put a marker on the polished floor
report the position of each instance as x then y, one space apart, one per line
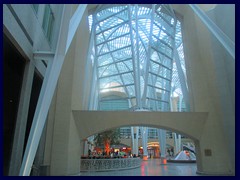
152 167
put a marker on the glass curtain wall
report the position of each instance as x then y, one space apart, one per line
137 57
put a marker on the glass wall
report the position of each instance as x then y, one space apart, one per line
137 51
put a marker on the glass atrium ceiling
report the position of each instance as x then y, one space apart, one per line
132 51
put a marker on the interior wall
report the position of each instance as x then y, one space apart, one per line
203 82
81 88
224 17
64 153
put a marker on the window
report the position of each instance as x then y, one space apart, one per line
48 21
134 53
152 133
125 133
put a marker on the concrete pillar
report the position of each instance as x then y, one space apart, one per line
162 142
20 129
85 148
132 140
144 142
135 140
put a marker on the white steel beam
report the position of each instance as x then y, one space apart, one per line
227 43
96 89
182 79
148 57
43 55
87 68
135 60
74 23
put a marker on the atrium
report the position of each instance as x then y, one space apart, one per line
162 75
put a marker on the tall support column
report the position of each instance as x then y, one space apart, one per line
136 144
179 142
22 115
179 135
85 147
136 70
135 60
134 131
162 142
87 68
144 142
148 58
227 43
135 140
46 94
176 143
182 79
94 98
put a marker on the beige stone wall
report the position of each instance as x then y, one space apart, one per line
63 144
205 94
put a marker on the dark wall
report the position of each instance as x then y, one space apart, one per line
13 69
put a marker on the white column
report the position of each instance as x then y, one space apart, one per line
162 141
135 56
136 144
176 143
182 79
85 148
179 141
133 142
227 43
134 134
135 130
147 66
144 142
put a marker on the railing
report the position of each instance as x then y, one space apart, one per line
109 164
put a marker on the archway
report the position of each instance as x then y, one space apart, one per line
190 124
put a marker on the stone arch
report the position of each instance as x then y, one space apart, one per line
146 125
190 124
92 122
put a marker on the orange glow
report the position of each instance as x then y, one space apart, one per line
145 158
142 170
164 161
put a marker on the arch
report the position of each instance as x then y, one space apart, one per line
190 124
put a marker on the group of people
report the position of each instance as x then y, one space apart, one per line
110 154
170 152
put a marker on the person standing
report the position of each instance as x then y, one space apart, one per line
172 152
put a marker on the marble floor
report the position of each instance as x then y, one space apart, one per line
152 167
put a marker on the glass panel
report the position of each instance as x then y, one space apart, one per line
128 54
48 21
